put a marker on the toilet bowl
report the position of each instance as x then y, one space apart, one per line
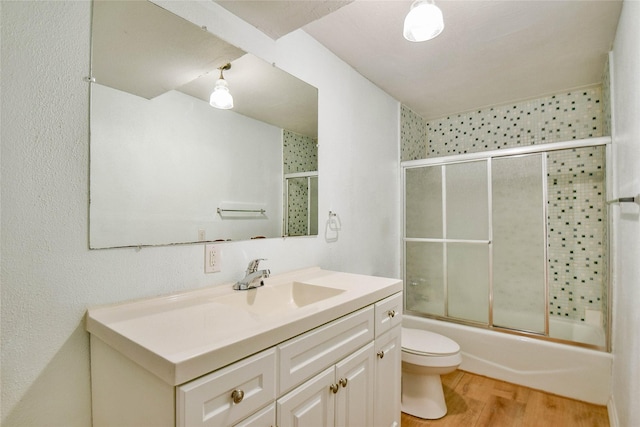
425 356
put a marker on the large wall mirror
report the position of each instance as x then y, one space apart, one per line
168 168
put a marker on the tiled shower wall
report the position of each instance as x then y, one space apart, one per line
300 154
563 117
576 227
576 215
413 135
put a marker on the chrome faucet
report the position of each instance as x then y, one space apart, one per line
253 277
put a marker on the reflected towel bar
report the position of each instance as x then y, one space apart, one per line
262 211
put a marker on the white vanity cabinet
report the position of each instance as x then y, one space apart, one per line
333 363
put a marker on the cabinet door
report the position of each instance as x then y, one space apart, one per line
310 405
266 417
355 378
387 379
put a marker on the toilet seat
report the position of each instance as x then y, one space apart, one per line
425 343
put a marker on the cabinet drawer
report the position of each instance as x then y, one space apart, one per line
304 356
208 401
388 313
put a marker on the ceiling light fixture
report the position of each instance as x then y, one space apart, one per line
221 97
423 22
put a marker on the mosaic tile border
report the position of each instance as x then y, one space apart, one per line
563 117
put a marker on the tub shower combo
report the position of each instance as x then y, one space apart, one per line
514 240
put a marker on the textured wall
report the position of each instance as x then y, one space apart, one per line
626 218
49 277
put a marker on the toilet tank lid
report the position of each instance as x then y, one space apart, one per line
420 341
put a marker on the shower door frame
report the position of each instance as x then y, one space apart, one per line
285 214
487 156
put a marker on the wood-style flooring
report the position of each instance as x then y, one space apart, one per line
477 401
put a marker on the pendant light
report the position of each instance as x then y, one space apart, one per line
423 22
221 97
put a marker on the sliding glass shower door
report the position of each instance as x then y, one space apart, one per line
513 241
466 192
518 243
447 240
474 241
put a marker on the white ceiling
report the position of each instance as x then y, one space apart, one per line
491 52
280 17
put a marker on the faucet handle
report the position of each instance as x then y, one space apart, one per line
253 265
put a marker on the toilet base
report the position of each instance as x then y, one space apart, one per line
422 396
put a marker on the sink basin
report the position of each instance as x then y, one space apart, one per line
278 299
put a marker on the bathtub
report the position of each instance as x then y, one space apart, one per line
561 369
566 329
577 331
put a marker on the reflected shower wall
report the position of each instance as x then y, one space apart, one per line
300 167
301 205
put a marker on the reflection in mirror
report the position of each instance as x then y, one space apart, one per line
301 201
166 167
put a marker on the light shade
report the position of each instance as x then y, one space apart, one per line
221 97
423 22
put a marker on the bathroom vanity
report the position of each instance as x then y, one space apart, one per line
310 347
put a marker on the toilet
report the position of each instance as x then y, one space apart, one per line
425 356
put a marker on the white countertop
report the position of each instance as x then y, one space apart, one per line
183 336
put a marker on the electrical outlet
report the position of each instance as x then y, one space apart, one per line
211 259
